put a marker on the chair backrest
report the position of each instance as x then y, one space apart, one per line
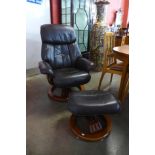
109 43
59 47
125 40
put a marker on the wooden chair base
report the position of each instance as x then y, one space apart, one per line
64 94
96 130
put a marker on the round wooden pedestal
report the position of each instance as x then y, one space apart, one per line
97 135
64 95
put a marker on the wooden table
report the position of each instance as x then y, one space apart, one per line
122 53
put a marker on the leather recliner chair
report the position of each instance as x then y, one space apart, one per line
62 61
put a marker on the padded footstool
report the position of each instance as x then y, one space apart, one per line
88 120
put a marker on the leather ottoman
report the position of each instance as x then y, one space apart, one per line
89 120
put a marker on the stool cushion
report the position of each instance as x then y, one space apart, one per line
93 102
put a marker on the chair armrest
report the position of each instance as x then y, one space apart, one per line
45 68
84 64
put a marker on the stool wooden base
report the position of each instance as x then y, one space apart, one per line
95 136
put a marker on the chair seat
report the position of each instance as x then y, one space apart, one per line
70 77
93 102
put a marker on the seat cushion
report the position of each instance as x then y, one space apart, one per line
93 102
70 77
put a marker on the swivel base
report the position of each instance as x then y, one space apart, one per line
91 128
64 94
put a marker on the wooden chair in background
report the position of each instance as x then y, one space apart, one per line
110 64
125 40
122 37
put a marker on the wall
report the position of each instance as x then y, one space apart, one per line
36 15
125 8
113 7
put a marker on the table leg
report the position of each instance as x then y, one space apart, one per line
126 89
123 82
